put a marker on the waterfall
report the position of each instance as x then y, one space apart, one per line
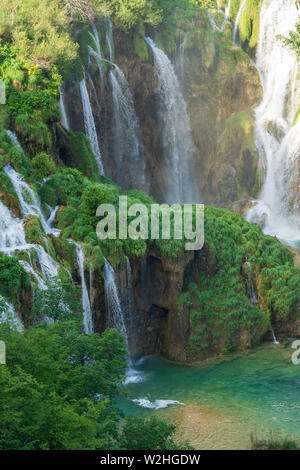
8 315
12 234
63 111
236 25
89 124
180 61
212 21
116 317
227 10
274 337
88 324
109 39
129 300
52 216
12 239
177 138
114 310
96 39
250 286
277 135
128 149
28 200
13 138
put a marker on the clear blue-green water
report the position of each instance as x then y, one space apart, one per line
257 391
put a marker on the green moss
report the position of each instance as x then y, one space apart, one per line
65 254
80 156
249 22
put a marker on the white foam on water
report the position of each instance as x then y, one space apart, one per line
157 404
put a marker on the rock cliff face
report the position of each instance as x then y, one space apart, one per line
222 88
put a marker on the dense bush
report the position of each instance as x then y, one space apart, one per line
43 166
13 277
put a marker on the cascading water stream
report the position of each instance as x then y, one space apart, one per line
236 25
227 10
89 124
12 239
116 317
63 111
177 138
180 61
8 315
277 135
28 200
95 36
109 40
88 324
212 21
13 138
127 144
114 310
250 286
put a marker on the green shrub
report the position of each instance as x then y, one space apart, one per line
43 166
13 278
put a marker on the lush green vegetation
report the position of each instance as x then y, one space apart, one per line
219 303
58 391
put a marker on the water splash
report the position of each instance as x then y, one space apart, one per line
157 404
178 145
277 136
89 124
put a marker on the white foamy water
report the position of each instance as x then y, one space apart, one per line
8 315
157 404
13 138
29 202
277 136
134 376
